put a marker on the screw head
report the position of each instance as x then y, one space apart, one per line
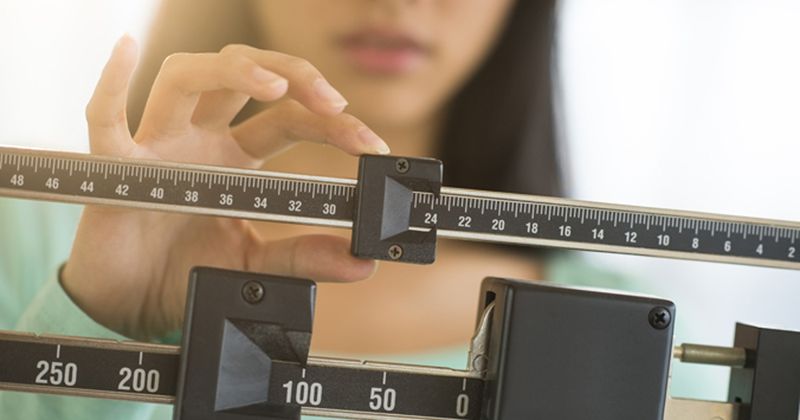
480 363
253 292
659 317
395 252
402 165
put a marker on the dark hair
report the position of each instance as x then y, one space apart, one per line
500 131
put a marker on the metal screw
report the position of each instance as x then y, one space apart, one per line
395 252
401 165
253 292
659 317
479 363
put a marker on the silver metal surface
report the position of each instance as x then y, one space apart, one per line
614 249
200 211
478 357
711 355
684 409
54 339
91 393
390 367
355 415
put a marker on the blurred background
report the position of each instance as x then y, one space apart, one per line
680 104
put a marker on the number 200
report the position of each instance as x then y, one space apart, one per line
139 380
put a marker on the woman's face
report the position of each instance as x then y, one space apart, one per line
396 61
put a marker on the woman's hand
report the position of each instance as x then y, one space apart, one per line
129 268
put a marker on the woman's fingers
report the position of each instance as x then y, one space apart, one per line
316 257
183 77
105 113
226 81
306 84
216 109
288 122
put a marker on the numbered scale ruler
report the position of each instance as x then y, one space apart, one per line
149 372
456 213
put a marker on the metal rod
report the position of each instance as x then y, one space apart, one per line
733 357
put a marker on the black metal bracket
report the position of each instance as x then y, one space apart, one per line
385 193
768 387
236 325
569 354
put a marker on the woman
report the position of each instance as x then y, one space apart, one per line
468 82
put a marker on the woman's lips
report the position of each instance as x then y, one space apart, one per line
384 53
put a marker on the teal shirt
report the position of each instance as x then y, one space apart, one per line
35 238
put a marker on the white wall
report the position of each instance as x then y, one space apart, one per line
693 105
52 54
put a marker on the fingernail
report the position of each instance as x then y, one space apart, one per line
369 138
327 93
124 42
125 38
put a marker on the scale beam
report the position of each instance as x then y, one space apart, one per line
455 213
144 372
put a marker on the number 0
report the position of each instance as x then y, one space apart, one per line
462 405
